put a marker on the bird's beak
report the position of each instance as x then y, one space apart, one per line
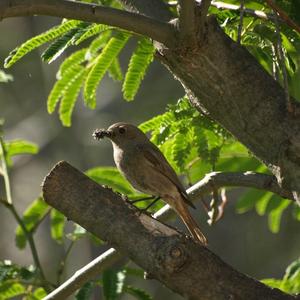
99 134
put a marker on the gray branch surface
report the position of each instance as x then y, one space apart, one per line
167 255
137 23
209 183
155 8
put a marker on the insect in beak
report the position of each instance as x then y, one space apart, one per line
99 134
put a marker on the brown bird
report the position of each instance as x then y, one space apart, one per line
148 171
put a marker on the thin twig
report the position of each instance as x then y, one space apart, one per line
137 23
255 13
282 65
240 28
32 247
5 172
61 269
283 15
88 272
9 204
187 20
221 207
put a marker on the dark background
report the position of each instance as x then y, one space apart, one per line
243 241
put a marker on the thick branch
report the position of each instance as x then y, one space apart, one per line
155 29
209 183
226 83
177 261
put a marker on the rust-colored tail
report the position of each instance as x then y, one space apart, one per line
190 223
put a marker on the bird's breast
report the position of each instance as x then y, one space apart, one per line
132 165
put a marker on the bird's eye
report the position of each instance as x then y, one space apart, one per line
122 130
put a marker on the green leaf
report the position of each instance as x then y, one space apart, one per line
62 85
85 292
60 45
180 150
200 143
296 212
273 283
78 233
249 199
98 43
115 71
32 217
75 58
137 293
275 215
262 203
69 97
156 122
39 40
293 269
139 62
102 63
39 293
57 225
111 177
113 283
291 280
90 31
10 289
17 147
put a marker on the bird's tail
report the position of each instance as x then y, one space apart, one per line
190 223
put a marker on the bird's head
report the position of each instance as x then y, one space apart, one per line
121 133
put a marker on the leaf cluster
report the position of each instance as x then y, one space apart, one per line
85 68
114 284
290 283
263 40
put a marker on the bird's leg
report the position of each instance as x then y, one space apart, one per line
152 203
141 199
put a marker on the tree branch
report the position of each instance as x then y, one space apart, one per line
187 20
205 186
156 9
88 272
283 15
238 179
155 29
177 261
256 13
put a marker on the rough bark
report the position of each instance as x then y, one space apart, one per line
167 255
224 81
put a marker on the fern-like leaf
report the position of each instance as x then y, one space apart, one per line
60 86
75 58
115 71
69 98
103 62
39 40
139 62
97 44
200 143
156 122
90 31
180 150
61 44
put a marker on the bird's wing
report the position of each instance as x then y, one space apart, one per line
153 155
